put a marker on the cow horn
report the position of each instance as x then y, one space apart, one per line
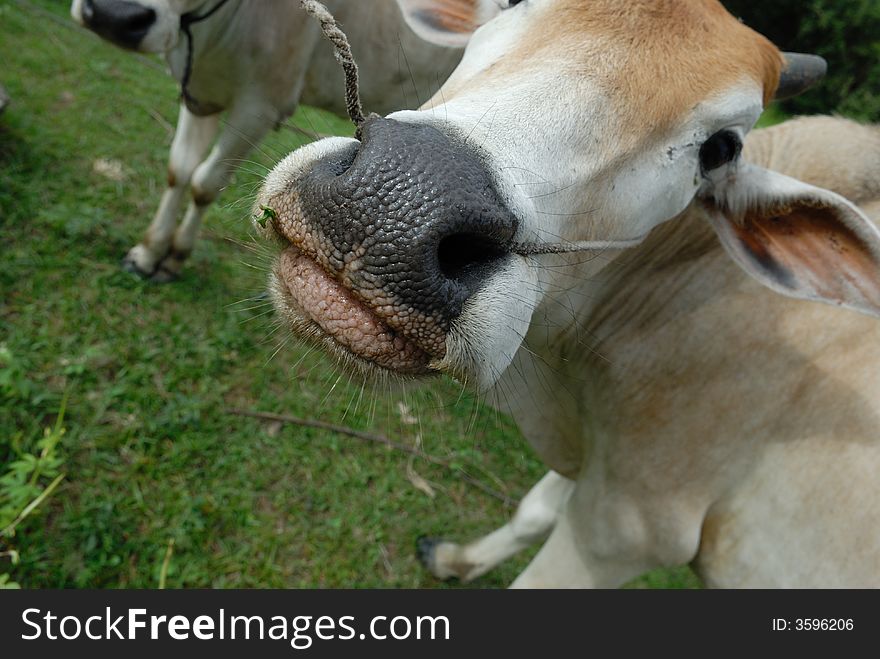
800 73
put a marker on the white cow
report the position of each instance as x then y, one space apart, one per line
570 226
255 60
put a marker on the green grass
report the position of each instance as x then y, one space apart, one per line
772 115
150 453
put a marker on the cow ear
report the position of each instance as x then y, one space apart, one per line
799 240
445 22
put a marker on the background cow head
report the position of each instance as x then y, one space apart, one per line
149 26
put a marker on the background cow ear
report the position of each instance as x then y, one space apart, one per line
799 240
444 22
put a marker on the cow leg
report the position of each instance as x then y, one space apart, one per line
246 127
191 141
607 535
533 520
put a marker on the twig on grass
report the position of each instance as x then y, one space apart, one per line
376 439
163 572
169 129
9 531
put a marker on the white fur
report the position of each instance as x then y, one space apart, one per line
487 335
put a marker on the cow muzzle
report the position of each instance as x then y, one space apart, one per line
121 22
385 241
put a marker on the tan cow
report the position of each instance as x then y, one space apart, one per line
255 60
570 227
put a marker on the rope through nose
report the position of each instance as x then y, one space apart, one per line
344 56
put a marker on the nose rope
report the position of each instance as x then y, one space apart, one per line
537 249
344 56
186 22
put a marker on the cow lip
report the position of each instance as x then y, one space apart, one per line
321 308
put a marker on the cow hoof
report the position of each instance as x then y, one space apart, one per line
130 265
164 276
425 547
140 261
426 550
445 560
169 268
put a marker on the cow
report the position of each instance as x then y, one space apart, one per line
687 338
255 61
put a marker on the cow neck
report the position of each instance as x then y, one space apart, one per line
186 22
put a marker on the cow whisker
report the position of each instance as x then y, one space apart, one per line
409 69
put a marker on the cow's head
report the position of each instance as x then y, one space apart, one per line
423 247
150 26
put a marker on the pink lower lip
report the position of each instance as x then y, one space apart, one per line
344 318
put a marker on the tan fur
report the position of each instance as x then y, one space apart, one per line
704 418
730 402
652 79
803 147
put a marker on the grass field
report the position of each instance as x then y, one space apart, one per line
161 484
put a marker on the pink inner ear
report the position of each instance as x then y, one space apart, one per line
812 253
450 15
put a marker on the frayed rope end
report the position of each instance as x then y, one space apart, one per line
344 56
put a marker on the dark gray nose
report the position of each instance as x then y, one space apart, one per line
417 214
120 21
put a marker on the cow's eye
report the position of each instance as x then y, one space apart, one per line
720 149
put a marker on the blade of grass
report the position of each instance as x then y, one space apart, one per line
9 531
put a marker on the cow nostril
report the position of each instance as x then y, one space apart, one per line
344 160
464 255
141 21
123 22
